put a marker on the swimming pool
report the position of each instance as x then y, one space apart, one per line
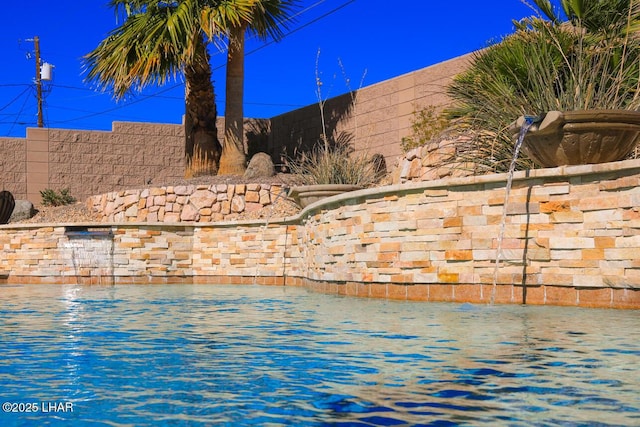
134 355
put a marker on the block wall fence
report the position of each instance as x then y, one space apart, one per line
91 162
375 118
133 154
571 237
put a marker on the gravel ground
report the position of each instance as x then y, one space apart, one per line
78 212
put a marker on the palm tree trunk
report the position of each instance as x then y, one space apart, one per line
202 148
234 157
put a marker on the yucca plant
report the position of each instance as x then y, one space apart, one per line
590 61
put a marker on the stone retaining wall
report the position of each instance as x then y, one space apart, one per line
187 203
432 161
571 237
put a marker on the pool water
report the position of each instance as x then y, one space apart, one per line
183 355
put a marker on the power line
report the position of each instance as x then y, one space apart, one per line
118 107
177 98
313 21
19 113
17 97
155 95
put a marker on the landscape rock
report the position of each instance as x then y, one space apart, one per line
23 210
260 166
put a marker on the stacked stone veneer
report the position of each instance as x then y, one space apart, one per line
187 203
571 237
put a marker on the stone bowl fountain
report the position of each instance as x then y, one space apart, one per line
307 194
580 137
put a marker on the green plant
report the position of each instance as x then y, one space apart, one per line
426 124
591 61
52 198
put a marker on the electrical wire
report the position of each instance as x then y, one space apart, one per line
16 98
155 95
295 30
332 11
137 101
19 113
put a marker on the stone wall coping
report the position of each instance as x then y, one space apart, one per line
560 172
295 219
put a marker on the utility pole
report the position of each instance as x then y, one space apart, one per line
36 43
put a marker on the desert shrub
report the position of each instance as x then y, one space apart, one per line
426 124
52 198
333 160
335 164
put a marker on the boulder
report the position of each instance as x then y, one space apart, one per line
23 210
260 166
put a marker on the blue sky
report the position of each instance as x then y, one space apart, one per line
375 40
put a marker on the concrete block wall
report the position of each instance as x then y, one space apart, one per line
376 116
13 160
91 162
571 237
131 155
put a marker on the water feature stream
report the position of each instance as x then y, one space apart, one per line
90 252
526 125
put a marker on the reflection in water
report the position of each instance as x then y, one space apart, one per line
202 355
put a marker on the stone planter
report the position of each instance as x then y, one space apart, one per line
7 203
580 137
307 194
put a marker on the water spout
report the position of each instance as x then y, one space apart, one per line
525 123
90 253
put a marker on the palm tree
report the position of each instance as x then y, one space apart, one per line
268 18
160 39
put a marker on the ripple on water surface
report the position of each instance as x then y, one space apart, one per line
248 355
